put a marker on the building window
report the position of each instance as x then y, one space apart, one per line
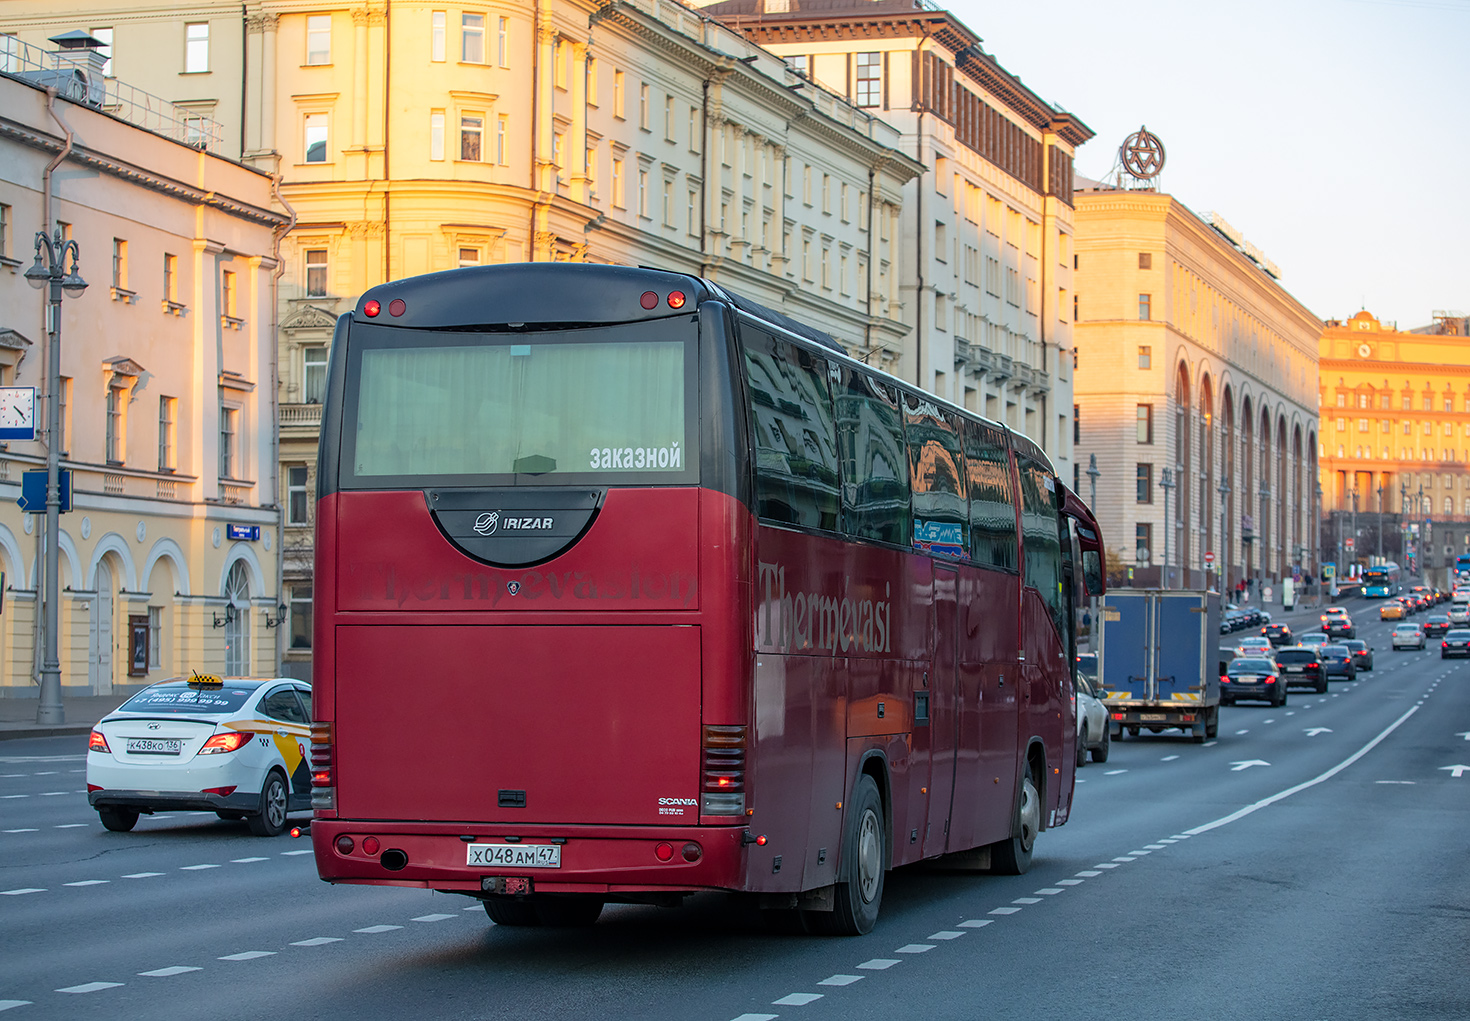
227 294
1144 484
469 257
668 118
438 31
502 129
1143 536
1145 415
1145 260
296 495
196 47
155 636
314 374
869 80
116 402
300 616
1145 356
5 220
436 135
502 54
171 278
316 138
618 94
318 38
1076 424
104 36
316 272
643 107
800 63
472 38
1144 301
227 431
166 410
470 130
617 185
119 264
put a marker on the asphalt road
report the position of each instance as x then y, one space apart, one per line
1309 864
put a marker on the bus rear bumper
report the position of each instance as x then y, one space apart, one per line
593 859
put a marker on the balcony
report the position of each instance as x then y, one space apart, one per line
301 416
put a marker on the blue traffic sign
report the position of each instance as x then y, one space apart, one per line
33 491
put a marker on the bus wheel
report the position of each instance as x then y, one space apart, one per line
1013 857
510 911
864 860
568 912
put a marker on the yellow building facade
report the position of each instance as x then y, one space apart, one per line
169 555
1396 445
1195 361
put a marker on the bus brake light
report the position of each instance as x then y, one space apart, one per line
722 785
371 308
676 299
323 794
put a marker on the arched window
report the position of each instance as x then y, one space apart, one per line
237 621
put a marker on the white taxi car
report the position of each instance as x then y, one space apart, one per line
235 746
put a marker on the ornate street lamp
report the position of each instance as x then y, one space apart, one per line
1261 583
56 267
1092 476
1223 553
1166 483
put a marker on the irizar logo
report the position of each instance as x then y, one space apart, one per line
486 523
490 522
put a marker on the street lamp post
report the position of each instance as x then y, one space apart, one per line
1166 483
1092 476
1422 547
1404 522
1354 493
1222 555
58 272
1265 495
1317 565
1380 524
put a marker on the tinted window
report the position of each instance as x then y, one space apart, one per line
1295 656
992 502
795 440
1335 650
936 476
180 698
282 704
1252 666
875 486
305 696
1039 530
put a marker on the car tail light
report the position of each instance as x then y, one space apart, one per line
723 780
97 743
323 793
229 741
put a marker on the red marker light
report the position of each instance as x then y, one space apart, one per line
664 852
371 308
344 844
223 792
676 299
397 307
649 300
295 832
370 845
761 840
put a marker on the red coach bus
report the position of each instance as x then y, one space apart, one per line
628 588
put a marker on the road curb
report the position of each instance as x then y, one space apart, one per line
60 730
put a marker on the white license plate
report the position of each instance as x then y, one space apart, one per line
1152 717
155 745
1295 669
516 856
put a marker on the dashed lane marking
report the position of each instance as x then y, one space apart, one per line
1089 873
1155 847
796 1000
975 923
248 955
1070 882
1004 911
196 868
142 875
1169 758
7 1004
88 882
915 948
17 893
89 987
433 918
1027 900
378 928
177 969
1114 772
287 854
1122 857
317 941
756 1017
947 933
841 980
1105 865
28 829
1139 854
246 861
70 825
1240 732
878 964
1048 891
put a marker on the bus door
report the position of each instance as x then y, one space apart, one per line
943 712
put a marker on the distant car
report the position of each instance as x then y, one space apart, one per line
1436 624
1338 625
1252 678
1254 646
1278 634
233 746
1408 636
1455 643
1392 610
1300 665
1459 613
1337 661
1314 638
1362 653
1092 722
1232 621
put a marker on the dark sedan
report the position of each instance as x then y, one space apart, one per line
1436 624
1300 664
1362 653
1455 643
1279 634
1253 678
1337 661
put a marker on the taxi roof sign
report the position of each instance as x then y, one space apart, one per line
199 680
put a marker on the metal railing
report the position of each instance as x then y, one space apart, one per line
77 76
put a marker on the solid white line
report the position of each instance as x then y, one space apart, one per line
248 955
90 987
1344 764
796 1000
177 969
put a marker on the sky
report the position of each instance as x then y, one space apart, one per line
1333 134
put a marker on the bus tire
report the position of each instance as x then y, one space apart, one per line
511 911
1013 857
859 893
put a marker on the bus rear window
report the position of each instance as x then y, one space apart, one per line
607 403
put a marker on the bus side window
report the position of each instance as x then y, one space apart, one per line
993 540
937 479
1040 529
875 482
795 438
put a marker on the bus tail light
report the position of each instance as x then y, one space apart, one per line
323 792
722 787
229 741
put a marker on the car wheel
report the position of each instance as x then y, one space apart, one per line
1013 857
859 891
118 820
1212 722
1082 747
511 911
270 821
1100 753
1321 684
